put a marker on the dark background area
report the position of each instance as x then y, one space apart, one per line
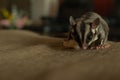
57 26
108 9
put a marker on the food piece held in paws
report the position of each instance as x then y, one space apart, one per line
71 44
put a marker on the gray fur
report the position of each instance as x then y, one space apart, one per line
101 29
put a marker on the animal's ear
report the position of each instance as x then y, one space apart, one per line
72 21
95 23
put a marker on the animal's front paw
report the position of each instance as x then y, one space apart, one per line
103 46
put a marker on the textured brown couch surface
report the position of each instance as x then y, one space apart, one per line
25 55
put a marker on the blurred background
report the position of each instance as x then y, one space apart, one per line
51 17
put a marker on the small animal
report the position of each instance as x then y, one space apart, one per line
89 31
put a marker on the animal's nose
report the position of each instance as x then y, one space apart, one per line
84 46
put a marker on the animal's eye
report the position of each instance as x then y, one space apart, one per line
90 36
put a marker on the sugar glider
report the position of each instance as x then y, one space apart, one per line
89 31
